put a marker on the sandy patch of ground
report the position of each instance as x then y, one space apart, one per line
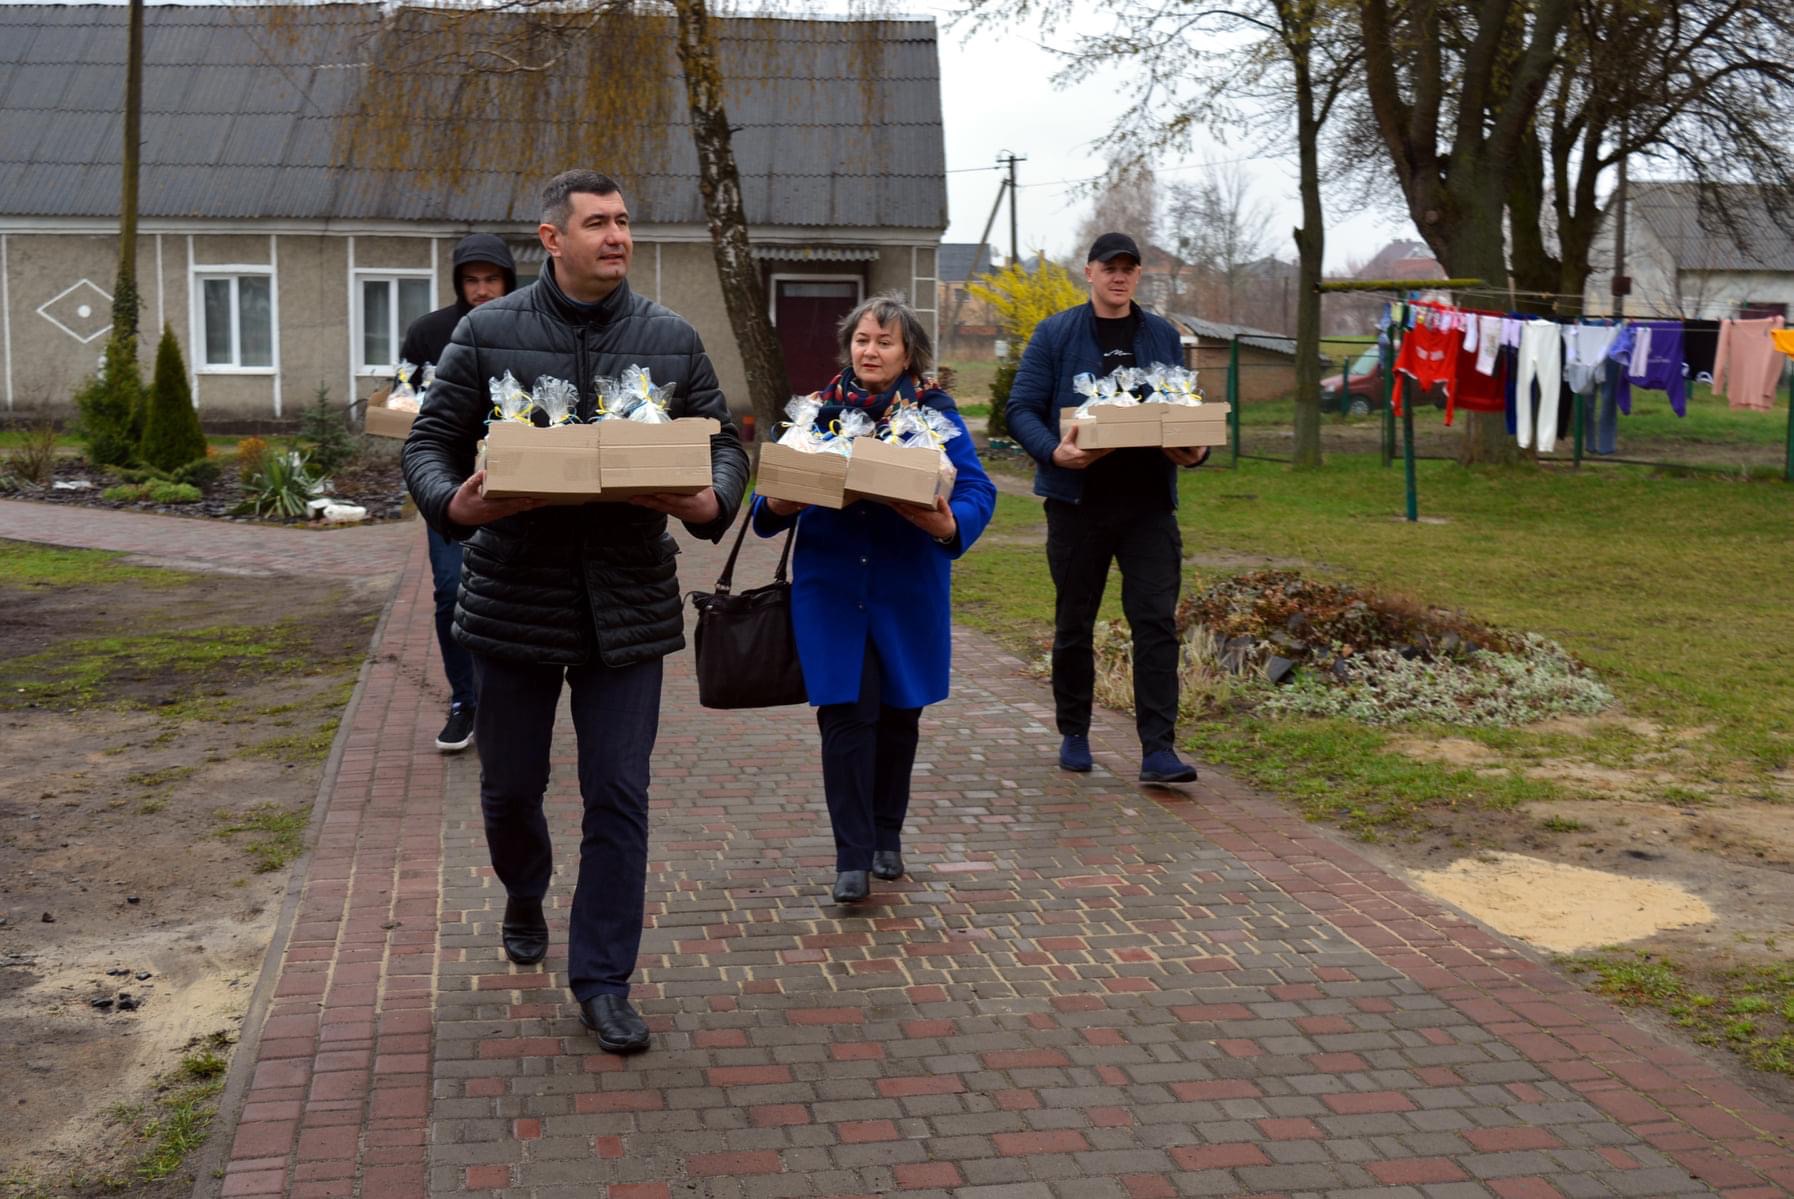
1559 907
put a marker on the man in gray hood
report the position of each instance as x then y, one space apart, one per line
484 270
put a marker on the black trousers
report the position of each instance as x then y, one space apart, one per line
868 751
1144 541
616 714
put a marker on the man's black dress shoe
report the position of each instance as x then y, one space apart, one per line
887 864
851 886
525 931
619 1028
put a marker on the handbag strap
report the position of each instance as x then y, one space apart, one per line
725 580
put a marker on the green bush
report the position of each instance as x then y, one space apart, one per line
252 454
283 487
327 430
141 474
1000 384
156 491
171 432
109 403
201 472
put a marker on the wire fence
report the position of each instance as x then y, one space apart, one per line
1257 375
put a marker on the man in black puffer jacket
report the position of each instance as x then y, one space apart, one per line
587 594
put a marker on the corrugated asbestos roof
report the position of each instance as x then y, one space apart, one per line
1698 235
1262 339
958 261
240 122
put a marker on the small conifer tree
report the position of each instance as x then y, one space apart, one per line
171 433
108 403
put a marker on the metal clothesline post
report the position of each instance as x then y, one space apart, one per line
1233 396
1788 457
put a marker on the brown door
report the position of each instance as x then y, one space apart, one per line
806 312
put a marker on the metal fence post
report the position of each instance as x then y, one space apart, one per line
1233 395
1386 356
1788 457
1408 450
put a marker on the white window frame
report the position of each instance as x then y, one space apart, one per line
198 274
361 275
773 281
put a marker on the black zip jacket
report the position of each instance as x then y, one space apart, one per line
557 585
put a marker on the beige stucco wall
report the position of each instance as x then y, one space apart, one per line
315 307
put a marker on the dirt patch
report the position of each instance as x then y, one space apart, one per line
1559 907
164 736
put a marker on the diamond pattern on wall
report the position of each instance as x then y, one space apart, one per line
83 311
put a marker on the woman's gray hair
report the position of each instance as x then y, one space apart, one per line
885 308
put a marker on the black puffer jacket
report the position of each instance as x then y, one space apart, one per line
555 585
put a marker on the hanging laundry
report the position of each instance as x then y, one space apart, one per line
1746 369
1488 342
1662 362
1700 346
1783 340
1429 357
1641 351
1541 359
1620 354
1585 355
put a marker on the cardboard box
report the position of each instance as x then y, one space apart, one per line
388 422
560 465
788 474
879 470
1188 426
671 458
1119 426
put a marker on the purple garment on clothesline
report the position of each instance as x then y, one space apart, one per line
1621 352
1665 371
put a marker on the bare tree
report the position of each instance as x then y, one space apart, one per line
1702 90
1263 66
1128 202
1214 224
125 303
468 96
1453 87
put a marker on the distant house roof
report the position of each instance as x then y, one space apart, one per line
1262 339
1701 240
239 123
957 261
1403 258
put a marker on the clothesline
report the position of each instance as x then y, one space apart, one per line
1490 362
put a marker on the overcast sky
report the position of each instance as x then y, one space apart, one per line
997 96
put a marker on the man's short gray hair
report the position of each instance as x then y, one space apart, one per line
885 308
557 193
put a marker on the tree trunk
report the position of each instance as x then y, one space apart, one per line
1535 269
1311 245
124 288
1475 249
720 185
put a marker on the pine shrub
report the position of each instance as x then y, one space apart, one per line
108 404
171 433
327 430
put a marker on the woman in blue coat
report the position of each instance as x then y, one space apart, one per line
870 599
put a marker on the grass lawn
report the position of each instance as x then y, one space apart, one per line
1676 590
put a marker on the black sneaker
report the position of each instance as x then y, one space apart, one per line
457 734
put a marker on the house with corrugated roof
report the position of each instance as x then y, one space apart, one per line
280 269
1697 252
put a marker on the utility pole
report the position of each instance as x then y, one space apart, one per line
124 290
1622 283
1015 253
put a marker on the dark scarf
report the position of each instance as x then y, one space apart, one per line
844 392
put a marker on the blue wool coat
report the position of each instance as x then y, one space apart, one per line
864 571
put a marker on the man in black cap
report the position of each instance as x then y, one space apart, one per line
483 270
1105 506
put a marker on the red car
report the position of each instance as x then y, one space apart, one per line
1360 391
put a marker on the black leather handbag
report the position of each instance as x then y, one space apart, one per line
746 650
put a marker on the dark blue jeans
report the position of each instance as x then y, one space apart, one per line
868 751
457 663
1082 542
616 714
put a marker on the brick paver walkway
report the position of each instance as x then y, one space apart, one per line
1084 991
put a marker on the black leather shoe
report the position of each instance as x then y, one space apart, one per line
852 886
525 931
619 1028
887 864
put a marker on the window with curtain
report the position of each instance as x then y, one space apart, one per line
237 321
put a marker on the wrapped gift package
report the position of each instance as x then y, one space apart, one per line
670 457
382 421
802 478
879 470
558 464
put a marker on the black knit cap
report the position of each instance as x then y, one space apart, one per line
1113 245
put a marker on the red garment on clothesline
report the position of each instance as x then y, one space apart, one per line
1428 356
